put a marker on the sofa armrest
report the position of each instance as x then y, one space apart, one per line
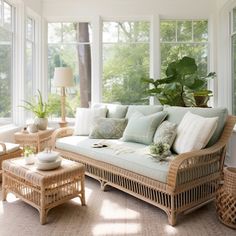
3 147
192 166
60 133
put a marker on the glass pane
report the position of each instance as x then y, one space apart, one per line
133 31
7 16
184 31
1 8
54 32
171 52
69 32
234 72
234 20
168 31
5 35
5 79
29 71
110 32
123 67
30 29
200 31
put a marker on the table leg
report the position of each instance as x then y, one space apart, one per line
4 192
43 217
82 192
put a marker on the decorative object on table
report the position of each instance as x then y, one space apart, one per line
28 153
48 160
40 109
24 130
63 78
226 198
183 85
32 128
160 151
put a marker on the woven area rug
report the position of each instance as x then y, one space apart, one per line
107 213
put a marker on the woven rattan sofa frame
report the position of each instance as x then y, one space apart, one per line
192 181
7 155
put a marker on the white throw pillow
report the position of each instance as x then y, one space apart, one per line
194 132
85 117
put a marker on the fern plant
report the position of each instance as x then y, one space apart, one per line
37 106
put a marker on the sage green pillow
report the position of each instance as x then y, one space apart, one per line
166 133
141 128
108 128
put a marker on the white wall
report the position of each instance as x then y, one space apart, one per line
114 8
35 5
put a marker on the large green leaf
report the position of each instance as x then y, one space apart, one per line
186 66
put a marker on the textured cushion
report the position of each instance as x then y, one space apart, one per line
10 147
85 118
136 161
108 128
114 110
165 133
141 128
175 115
144 109
194 132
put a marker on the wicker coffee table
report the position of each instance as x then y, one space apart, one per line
43 189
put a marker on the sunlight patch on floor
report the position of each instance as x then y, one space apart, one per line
11 197
117 229
1 208
170 230
111 210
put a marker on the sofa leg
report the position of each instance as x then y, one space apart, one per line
103 185
172 218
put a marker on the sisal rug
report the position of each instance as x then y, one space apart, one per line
107 213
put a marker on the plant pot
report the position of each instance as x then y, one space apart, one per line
201 101
29 160
41 123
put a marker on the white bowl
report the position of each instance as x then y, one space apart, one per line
48 165
47 156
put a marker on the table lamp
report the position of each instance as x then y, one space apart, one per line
63 78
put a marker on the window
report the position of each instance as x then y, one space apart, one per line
233 58
181 38
125 62
6 60
30 58
69 44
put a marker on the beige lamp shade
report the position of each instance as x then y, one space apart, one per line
63 77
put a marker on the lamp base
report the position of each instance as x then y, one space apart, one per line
63 124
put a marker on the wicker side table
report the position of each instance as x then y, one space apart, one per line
43 190
226 198
39 140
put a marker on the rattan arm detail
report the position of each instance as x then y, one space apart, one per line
3 147
197 164
60 133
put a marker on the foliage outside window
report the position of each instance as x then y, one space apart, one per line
69 45
125 61
30 58
181 38
6 60
233 53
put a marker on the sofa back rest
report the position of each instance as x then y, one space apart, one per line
175 115
144 109
114 110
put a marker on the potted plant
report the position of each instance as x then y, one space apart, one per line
28 153
40 109
182 86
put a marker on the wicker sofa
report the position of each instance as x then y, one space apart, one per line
187 182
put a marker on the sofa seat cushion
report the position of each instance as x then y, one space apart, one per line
175 115
126 155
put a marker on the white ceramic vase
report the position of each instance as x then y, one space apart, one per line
30 159
41 123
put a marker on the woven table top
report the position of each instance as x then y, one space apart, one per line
30 173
